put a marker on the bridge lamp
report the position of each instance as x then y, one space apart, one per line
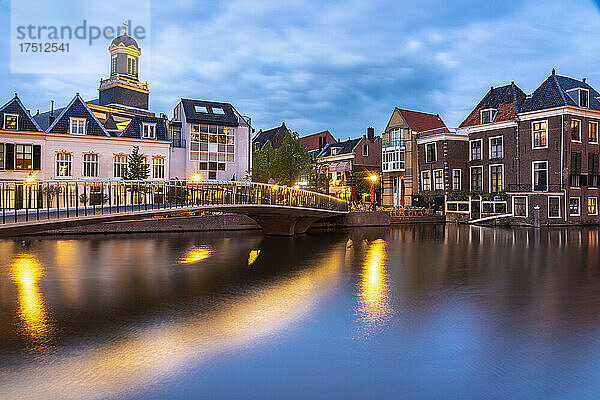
30 179
197 177
297 187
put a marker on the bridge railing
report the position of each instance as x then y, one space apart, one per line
38 200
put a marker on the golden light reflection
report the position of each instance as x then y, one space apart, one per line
197 254
253 256
374 295
26 272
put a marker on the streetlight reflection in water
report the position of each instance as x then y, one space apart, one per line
374 307
197 254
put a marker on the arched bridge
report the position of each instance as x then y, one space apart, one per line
34 206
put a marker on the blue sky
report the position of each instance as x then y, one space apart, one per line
340 65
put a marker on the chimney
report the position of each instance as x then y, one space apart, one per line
553 71
583 80
51 118
371 133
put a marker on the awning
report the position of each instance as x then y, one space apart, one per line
339 166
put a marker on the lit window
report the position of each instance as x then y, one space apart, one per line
430 152
158 167
77 126
553 207
456 179
574 206
520 206
496 178
201 109
488 116
148 131
540 134
438 180
593 132
496 147
592 206
64 162
218 110
575 130
476 150
426 180
113 64
119 166
477 178
23 156
90 165
11 122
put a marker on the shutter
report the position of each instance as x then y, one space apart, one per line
37 157
10 156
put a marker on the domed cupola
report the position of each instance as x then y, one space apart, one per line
123 87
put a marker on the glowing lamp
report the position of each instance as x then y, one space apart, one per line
373 178
197 177
30 178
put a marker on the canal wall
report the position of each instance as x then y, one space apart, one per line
355 219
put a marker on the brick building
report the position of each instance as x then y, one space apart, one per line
315 142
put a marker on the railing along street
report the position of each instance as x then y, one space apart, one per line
30 201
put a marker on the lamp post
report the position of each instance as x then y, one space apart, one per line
373 179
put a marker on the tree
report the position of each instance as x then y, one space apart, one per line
262 162
137 169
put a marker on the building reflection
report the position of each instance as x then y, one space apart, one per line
26 271
374 302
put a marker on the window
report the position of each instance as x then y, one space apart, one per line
393 159
456 179
488 115
213 143
11 122
496 181
539 134
496 147
201 109
540 176
158 167
218 111
520 206
574 206
593 132
1 156
365 149
476 150
131 66
553 207
593 167
256 146
476 178
592 206
583 98
430 152
120 166
334 151
90 165
113 64
64 162
77 126
23 156
438 179
575 177
426 180
576 130
148 131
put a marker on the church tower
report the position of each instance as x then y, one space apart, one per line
123 87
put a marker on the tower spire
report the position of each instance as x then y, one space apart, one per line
125 25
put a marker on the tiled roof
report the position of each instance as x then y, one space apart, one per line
274 135
423 122
311 142
507 100
191 115
553 93
346 147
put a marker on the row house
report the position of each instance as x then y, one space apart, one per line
273 135
541 149
442 162
342 160
315 142
400 170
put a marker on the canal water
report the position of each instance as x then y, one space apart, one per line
417 312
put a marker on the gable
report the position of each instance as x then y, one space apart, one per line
396 121
77 109
25 121
134 129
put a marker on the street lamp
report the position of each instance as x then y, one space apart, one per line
373 179
30 179
197 177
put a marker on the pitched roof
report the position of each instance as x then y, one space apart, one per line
423 122
274 135
26 121
194 112
134 129
553 93
78 109
311 142
507 100
346 147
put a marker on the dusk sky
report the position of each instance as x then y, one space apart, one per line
339 65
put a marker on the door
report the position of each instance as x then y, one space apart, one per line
475 209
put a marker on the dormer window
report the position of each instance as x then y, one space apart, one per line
148 131
77 126
580 96
488 115
11 122
334 151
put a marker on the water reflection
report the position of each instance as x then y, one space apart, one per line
26 271
374 306
253 256
197 254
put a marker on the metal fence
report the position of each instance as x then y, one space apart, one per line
25 201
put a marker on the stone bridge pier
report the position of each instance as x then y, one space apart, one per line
283 225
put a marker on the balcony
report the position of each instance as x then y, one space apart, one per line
528 187
392 143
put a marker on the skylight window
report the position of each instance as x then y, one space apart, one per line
218 111
201 109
